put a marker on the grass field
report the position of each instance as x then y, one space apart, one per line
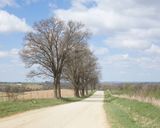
12 107
126 113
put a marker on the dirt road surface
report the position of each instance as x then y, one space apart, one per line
88 113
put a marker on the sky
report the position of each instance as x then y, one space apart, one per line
125 35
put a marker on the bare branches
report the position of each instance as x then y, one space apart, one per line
50 45
81 69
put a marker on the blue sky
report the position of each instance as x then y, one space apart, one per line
125 35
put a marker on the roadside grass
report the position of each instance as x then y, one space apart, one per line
8 108
125 113
142 90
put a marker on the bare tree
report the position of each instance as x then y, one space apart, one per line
89 71
80 69
71 71
48 47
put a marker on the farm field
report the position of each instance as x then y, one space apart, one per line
41 94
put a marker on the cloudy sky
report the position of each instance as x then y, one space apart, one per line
125 34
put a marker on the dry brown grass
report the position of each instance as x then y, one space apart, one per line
151 100
38 94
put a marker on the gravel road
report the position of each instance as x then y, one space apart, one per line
88 113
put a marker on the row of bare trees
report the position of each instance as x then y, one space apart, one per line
59 50
81 69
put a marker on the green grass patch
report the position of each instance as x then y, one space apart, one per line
125 113
8 108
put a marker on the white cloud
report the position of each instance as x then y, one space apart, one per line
127 61
133 24
148 62
4 3
3 54
115 59
154 49
52 6
129 40
99 50
11 53
14 52
11 23
110 15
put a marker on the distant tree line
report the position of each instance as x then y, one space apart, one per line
58 50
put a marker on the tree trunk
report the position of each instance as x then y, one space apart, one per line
86 90
55 85
82 92
55 91
76 92
91 87
59 89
